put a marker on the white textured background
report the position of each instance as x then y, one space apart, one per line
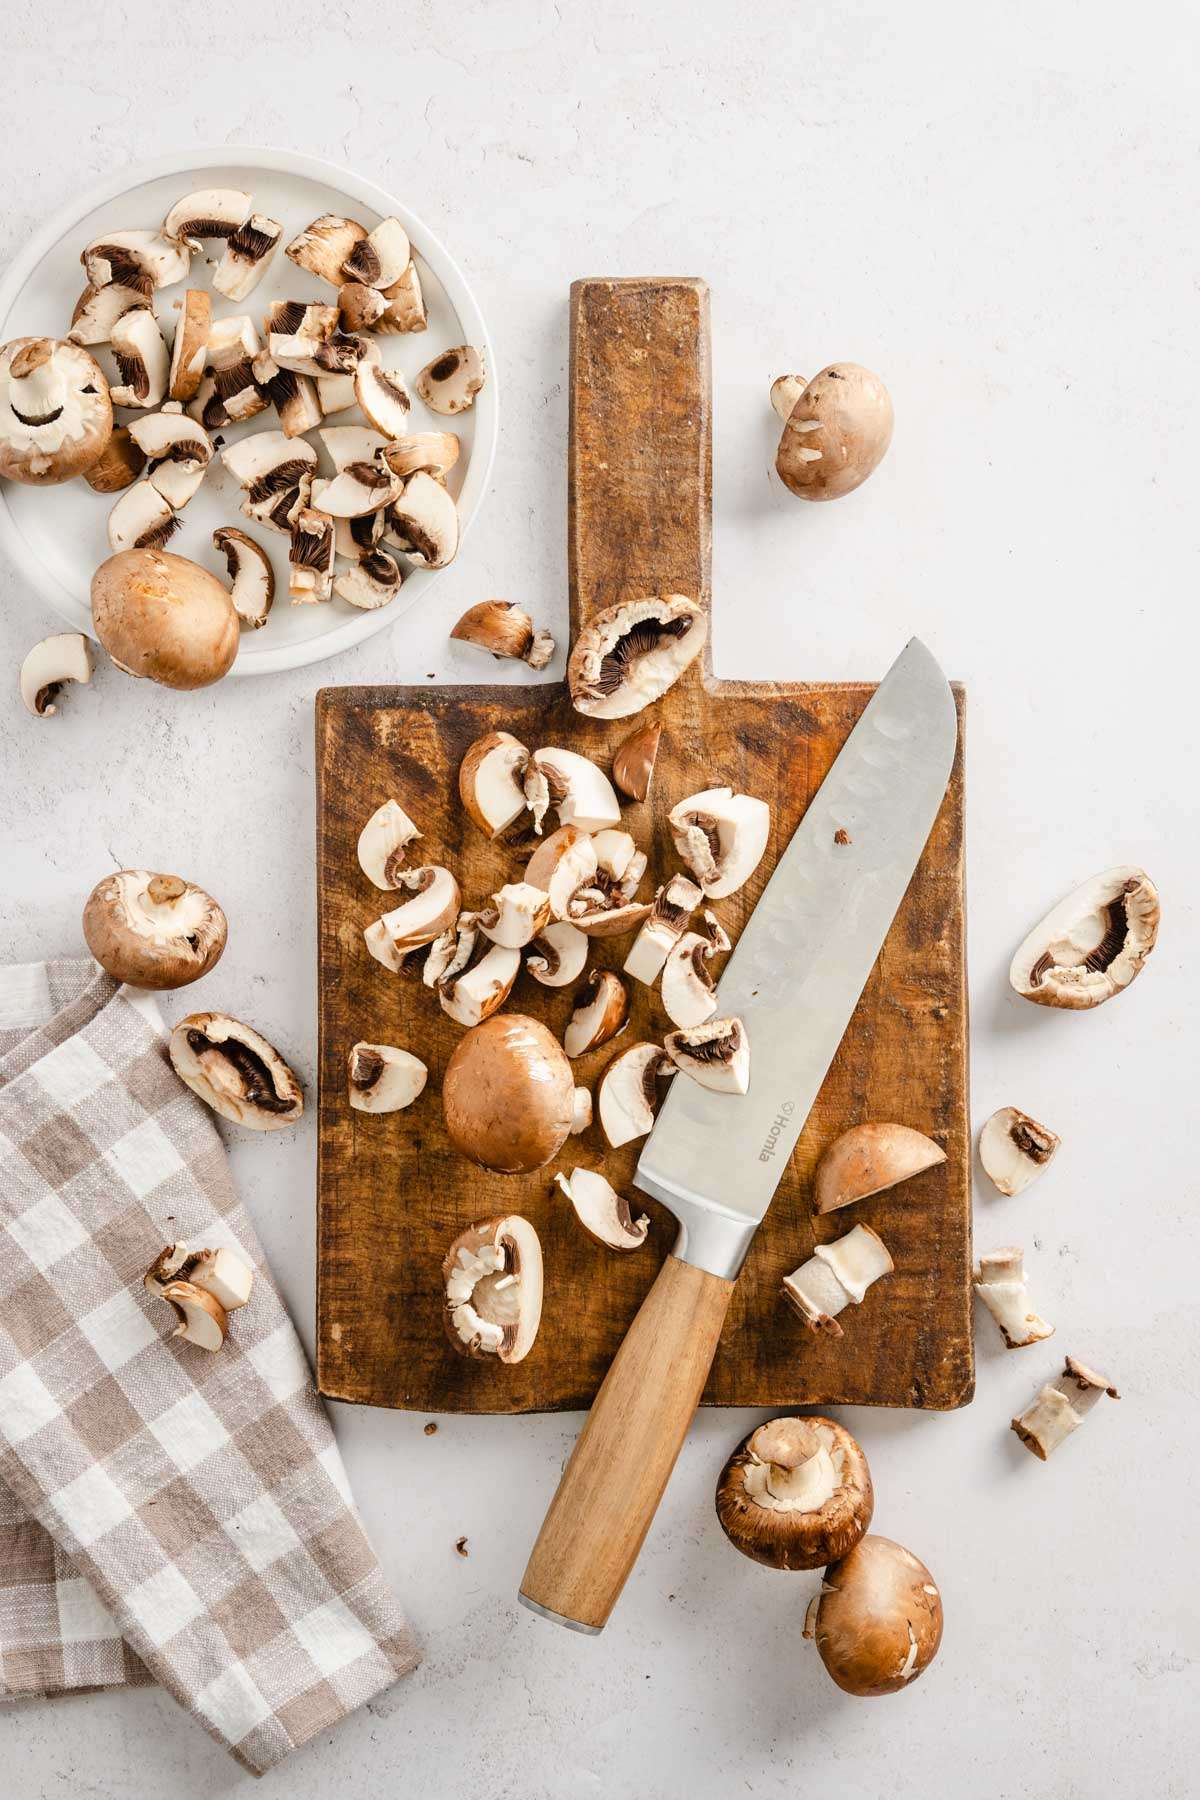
995 208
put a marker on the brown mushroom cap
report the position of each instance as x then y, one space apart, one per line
509 1094
836 434
153 931
164 617
796 1495
868 1158
878 1619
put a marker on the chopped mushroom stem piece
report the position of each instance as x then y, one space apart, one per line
633 763
383 1079
629 1092
493 1283
1014 1149
716 1054
999 1280
629 655
515 915
1061 1407
877 1620
604 1214
235 1071
63 657
153 931
1092 945
451 381
796 1494
509 1093
673 906
502 627
836 433
224 1273
721 836
383 844
867 1159
836 1276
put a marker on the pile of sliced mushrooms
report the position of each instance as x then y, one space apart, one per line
360 506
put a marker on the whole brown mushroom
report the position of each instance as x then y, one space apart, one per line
55 410
153 931
164 617
796 1495
836 430
877 1620
509 1094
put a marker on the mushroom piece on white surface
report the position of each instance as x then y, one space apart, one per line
1061 1407
233 1069
1092 945
1014 1149
877 1618
208 213
374 581
604 1214
118 466
836 1276
999 1281
379 259
835 432
249 253
310 557
431 452
629 655
153 931
382 1078
177 451
503 628
406 309
293 396
65 656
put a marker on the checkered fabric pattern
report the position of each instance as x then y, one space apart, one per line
166 1514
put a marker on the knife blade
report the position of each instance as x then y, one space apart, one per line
794 979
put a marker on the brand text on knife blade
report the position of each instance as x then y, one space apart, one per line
771 1142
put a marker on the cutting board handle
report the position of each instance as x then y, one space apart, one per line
610 1489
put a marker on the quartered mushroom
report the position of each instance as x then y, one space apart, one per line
63 657
142 519
406 309
716 1054
877 1620
596 914
177 451
563 865
379 259
629 1092
999 1281
431 452
502 627
374 581
604 1214
360 487
203 1321
721 836
189 351
490 783
450 952
153 931
251 577
493 1282
670 912
432 908
580 793
424 522
601 1012
355 539
98 309
451 381
223 1273
383 844
1092 945
383 397
869 1158
1061 1407
514 915
836 1276
310 557
473 993
293 396
629 655
142 260
207 406
558 954
633 763
235 1071
143 364
508 1093
249 253
382 1078
119 465
836 430
335 353
233 346
55 411
688 994
359 306
796 1495
323 246
1014 1149
208 213
305 318
272 471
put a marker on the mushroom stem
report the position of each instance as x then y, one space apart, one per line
1061 1407
999 1280
837 1275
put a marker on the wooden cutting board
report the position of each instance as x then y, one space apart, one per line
393 1193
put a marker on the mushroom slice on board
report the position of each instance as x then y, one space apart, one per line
869 1158
142 361
142 519
143 260
515 914
721 836
406 309
999 1280
489 783
1014 1149
177 451
64 657
580 792
836 1276
451 381
432 908
1092 945
562 865
629 1092
251 577
433 452
474 993
375 581
796 1495
604 1214
633 762
249 253
379 259
601 1012
836 430
224 1273
208 213
235 1071
153 931
189 350
629 655
382 1078
450 953
119 465
425 522
716 1054
591 909
1061 1407
688 995
310 557
673 906
323 246
503 628
877 1620
383 843
98 309
55 411
492 1276
558 954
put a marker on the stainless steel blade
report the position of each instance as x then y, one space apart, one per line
802 962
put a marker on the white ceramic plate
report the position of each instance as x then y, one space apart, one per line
56 535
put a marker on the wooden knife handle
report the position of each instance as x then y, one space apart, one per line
610 1489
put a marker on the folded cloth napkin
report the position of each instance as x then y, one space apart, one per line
166 1513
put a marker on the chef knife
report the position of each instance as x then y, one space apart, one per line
715 1160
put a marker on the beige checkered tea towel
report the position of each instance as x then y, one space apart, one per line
166 1513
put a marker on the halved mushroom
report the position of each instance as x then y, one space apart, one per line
1061 1407
628 1097
433 908
493 1280
629 655
383 843
233 345
1092 945
489 783
557 955
869 1158
271 470
153 931
379 259
225 1274
721 836
877 1620
515 914
836 433
189 351
383 397
1014 1149
836 1276
208 213
451 381
999 1280
55 411
373 582
508 1093
249 253
564 864
98 309
504 628
716 1054
688 994
178 452
142 260
474 993
310 576
582 794
251 577
433 452
406 310
383 1079
601 1013
665 924
202 1319
235 1071
633 763
797 1494
63 657
323 246
293 396
604 1214
119 465
142 519
164 618
425 520
141 357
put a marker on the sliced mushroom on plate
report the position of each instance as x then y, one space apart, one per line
688 994
451 381
360 487
672 908
999 1281
233 346
374 581
558 954
382 1078
356 539
431 452
580 792
869 1158
143 364
633 762
1014 1149
716 1054
323 246
142 519
721 836
502 627
1092 945
359 306
383 397
225 1274
293 396
270 469
383 844
424 521
249 253
251 577
55 411
119 465
563 864
629 1092
432 908
601 1012
98 309
877 1620
406 309
379 259
338 353
208 213
836 430
189 350
1060 1408
796 1495
490 783
65 656
629 655
310 576
836 1276
514 915
207 406
153 931
235 1071
604 1214
508 1093
306 318
177 451
493 1283
142 260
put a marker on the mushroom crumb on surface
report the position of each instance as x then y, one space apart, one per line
460 1545
796 1495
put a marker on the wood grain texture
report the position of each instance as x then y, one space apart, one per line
622 1460
392 1193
